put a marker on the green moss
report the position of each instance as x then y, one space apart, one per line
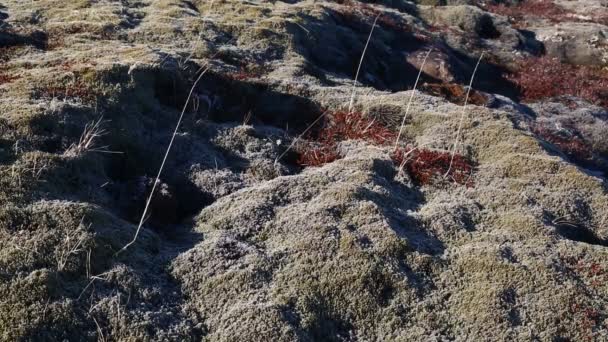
79 4
30 309
432 2
419 123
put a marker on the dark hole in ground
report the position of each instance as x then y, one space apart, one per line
291 160
530 44
170 205
131 173
10 38
571 229
7 151
127 165
171 89
335 43
52 145
222 99
580 234
190 5
175 199
485 28
190 199
327 325
489 78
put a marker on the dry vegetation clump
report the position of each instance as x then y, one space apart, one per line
570 144
88 140
425 165
57 36
545 77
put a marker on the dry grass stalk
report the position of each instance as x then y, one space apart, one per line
352 97
74 241
464 109
101 337
409 103
247 118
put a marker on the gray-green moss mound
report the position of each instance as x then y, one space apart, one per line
244 244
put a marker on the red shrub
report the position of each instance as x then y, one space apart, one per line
243 75
4 78
353 126
594 275
248 70
544 77
425 165
318 155
588 318
545 9
7 52
354 10
342 126
421 164
573 146
76 90
437 28
591 270
542 9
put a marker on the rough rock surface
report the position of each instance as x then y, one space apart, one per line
576 43
245 244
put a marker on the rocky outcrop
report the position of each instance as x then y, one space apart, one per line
576 43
